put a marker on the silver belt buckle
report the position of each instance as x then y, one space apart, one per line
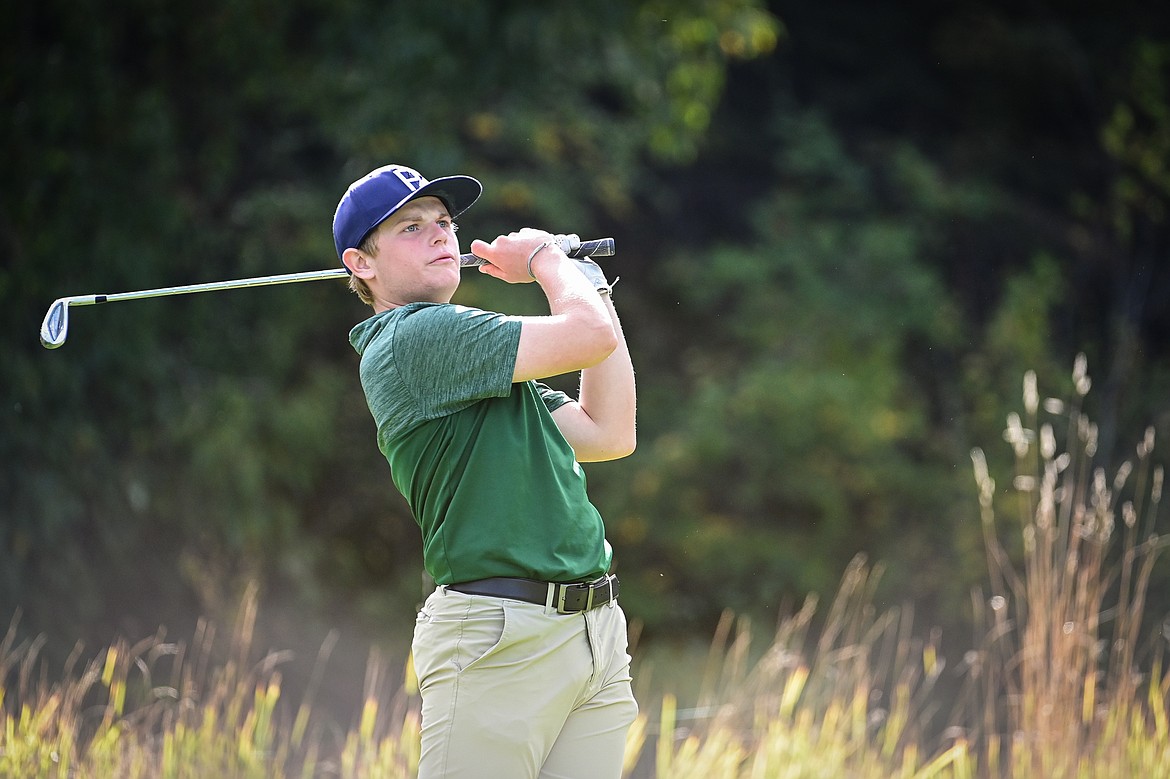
563 593
591 588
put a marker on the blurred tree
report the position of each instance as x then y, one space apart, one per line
802 424
848 236
973 133
175 448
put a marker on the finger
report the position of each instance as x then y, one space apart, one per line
481 248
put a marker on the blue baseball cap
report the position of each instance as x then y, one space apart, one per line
374 197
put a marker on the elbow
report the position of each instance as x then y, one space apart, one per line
602 342
626 442
628 446
616 448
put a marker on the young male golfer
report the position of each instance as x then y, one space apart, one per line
521 649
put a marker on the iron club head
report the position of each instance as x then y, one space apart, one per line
55 326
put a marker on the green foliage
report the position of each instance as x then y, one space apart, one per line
1137 137
843 238
174 449
554 106
802 433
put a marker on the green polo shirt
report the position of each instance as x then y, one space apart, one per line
492 483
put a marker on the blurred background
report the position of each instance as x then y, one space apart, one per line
845 231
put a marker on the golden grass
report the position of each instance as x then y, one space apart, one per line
1063 683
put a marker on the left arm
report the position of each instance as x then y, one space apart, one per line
601 424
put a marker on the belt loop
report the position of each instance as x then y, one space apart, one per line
550 598
609 581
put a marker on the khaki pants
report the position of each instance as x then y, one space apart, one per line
511 690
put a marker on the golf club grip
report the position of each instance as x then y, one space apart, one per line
570 244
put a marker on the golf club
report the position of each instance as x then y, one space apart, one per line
54 328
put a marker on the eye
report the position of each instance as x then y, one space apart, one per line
410 228
447 224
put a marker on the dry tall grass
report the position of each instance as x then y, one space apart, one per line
1065 683
1071 685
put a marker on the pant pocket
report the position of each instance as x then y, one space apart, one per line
481 634
459 632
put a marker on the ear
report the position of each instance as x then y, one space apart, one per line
358 263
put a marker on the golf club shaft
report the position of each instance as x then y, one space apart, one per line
211 286
571 244
56 322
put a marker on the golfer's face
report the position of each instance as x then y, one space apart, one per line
418 253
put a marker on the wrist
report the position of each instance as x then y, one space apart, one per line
541 254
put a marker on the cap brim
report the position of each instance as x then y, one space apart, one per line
459 193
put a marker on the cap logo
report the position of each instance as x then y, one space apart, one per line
410 178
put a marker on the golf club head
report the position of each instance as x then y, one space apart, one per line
56 324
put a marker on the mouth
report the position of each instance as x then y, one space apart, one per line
443 260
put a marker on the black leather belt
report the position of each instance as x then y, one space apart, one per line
566 598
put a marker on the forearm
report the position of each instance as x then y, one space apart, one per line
528 255
569 293
609 398
577 333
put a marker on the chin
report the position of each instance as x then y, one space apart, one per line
444 294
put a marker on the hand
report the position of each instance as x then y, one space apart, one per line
507 255
593 272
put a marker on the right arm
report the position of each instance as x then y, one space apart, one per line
577 333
